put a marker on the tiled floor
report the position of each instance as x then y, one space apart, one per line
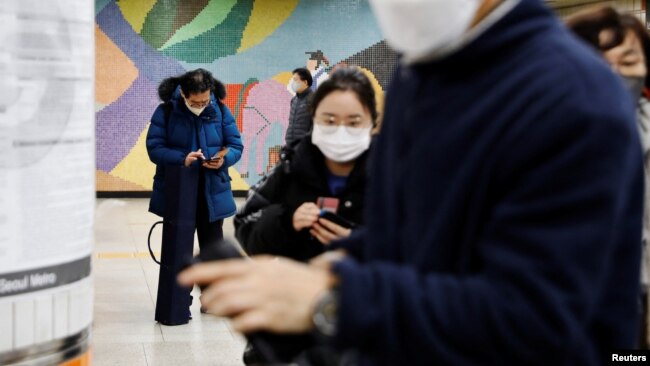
126 280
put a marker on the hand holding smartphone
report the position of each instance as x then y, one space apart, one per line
218 156
338 220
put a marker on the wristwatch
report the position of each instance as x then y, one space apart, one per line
325 317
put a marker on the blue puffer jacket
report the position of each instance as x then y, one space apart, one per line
170 140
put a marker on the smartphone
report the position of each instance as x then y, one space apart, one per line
330 204
214 158
338 220
218 156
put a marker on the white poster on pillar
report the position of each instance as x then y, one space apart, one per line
47 126
47 163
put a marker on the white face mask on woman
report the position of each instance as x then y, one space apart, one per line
338 144
196 111
419 28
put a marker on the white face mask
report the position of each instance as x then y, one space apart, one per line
337 144
420 28
296 85
194 110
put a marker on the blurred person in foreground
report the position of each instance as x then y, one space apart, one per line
624 43
503 215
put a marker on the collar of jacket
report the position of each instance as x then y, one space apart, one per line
304 93
308 165
208 113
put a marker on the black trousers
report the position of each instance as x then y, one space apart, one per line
208 233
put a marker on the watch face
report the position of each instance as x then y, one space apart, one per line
325 314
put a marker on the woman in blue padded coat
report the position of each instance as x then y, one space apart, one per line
189 127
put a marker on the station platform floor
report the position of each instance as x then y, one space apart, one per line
126 280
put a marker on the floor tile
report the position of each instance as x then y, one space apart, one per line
119 354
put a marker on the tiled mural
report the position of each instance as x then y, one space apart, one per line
250 45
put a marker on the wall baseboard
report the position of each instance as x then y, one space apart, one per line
147 194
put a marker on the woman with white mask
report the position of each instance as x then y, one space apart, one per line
323 176
192 128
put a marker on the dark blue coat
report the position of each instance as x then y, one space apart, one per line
169 142
504 213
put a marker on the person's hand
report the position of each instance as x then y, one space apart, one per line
326 231
305 216
325 260
193 156
213 164
266 293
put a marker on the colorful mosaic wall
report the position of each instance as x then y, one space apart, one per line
250 45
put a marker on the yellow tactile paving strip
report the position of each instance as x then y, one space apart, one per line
123 255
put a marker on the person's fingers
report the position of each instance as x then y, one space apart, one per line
217 290
313 209
336 229
323 231
304 208
266 258
251 321
309 208
213 271
322 234
197 154
318 237
304 220
210 166
325 260
231 297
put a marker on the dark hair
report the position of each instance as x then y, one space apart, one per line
589 24
192 82
304 75
343 79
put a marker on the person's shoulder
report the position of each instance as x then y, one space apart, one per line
301 152
570 75
161 113
569 90
568 63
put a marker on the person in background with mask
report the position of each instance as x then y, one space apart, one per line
191 126
299 119
281 216
624 43
503 214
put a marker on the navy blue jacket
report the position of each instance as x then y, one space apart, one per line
169 140
507 227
